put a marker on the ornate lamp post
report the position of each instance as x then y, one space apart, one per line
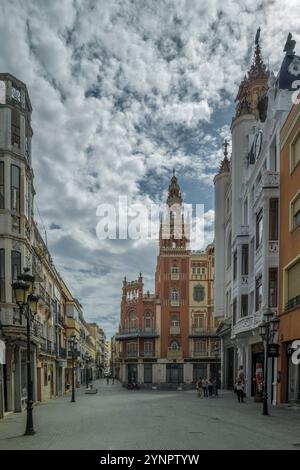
73 346
27 302
268 328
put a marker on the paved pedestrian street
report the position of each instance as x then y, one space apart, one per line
116 418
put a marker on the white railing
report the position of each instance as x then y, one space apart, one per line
247 323
273 246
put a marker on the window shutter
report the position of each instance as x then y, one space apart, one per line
296 206
296 152
294 281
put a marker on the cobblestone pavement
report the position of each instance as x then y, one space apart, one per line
116 418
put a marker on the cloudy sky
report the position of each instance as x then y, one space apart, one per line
122 92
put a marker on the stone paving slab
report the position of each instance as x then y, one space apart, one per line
118 419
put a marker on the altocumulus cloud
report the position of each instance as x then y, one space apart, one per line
123 91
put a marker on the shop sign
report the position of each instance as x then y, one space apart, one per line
273 350
296 352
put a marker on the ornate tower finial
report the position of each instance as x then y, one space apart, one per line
289 45
257 37
174 195
225 163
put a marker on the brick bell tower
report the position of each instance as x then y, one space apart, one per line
171 281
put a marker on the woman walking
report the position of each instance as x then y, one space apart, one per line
240 391
199 387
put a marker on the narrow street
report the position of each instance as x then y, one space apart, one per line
118 419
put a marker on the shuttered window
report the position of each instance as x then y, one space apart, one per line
294 281
296 153
296 212
15 127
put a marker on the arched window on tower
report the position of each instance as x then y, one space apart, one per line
175 269
175 297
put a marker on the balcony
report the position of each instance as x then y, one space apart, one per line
174 303
246 324
62 352
174 276
273 246
148 354
292 303
47 347
137 333
174 330
269 179
174 354
128 354
203 332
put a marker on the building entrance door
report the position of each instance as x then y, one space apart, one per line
175 373
132 375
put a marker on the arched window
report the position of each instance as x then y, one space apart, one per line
132 320
174 267
174 346
175 295
148 320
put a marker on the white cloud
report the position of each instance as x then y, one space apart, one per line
122 91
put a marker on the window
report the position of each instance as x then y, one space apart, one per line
147 373
251 257
258 293
174 346
174 268
244 305
295 153
245 260
2 197
15 265
229 251
234 264
273 274
148 347
175 319
246 211
273 220
234 308
15 188
132 321
200 346
198 293
175 295
2 275
132 348
259 228
148 321
295 212
199 323
15 127
293 284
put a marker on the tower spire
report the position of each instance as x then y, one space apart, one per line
225 163
174 193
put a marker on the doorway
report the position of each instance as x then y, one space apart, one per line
132 374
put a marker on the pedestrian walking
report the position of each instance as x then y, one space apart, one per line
205 388
199 387
107 380
240 391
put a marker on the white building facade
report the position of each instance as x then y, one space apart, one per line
247 226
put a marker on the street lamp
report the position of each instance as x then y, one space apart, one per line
268 328
73 346
27 302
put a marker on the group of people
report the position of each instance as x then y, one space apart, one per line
207 387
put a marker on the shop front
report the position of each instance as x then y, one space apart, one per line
293 371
